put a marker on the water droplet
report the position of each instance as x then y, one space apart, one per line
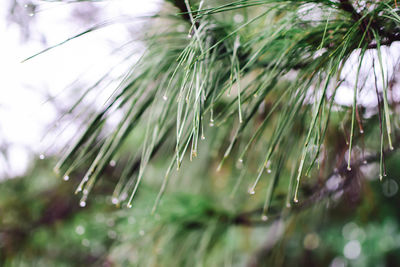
219 167
352 249
189 35
26 5
114 200
113 163
85 242
240 160
165 98
361 131
251 191
348 168
264 218
112 234
203 137
129 205
391 147
269 171
311 241
364 162
110 222
338 262
31 14
288 205
82 204
42 156
66 178
85 192
211 124
80 230
295 200
380 177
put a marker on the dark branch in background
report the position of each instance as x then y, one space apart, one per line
180 4
345 5
323 193
388 37
247 218
388 41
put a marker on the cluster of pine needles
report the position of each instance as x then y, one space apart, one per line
256 80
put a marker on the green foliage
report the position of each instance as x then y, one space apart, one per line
45 226
231 108
239 57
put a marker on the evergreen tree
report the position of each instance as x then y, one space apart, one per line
233 142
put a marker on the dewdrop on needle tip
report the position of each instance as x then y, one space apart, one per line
251 191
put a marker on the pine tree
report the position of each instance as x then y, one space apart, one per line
231 133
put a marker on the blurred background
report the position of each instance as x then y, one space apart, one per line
42 222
